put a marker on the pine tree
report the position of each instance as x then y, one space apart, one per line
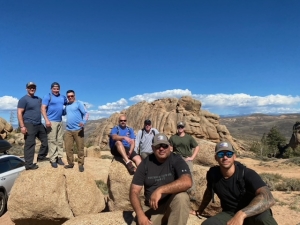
274 139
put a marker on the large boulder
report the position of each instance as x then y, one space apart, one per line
53 196
118 183
164 114
206 154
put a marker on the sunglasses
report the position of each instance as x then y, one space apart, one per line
31 88
221 155
164 146
122 121
180 127
70 96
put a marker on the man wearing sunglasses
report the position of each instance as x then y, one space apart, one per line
165 178
52 111
183 144
122 140
77 117
250 206
30 122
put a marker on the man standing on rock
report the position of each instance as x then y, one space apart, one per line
166 178
30 122
183 144
121 144
245 198
52 110
76 119
144 138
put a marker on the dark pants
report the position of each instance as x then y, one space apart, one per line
221 218
33 132
114 151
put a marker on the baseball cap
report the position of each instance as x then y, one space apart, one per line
148 122
30 84
180 124
160 138
224 146
55 84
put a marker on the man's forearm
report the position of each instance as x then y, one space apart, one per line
196 150
205 200
261 202
136 203
183 183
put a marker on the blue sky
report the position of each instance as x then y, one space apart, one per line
236 57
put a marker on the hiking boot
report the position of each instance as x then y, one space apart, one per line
70 166
81 168
130 167
59 161
33 167
53 164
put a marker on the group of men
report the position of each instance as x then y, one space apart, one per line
163 167
53 107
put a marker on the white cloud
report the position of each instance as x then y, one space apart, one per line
120 104
8 103
221 104
150 97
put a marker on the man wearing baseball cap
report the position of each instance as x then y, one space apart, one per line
244 196
52 110
165 178
30 122
144 138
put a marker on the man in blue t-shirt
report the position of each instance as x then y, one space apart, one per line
30 122
76 119
52 110
122 144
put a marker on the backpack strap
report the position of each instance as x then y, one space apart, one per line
240 178
153 132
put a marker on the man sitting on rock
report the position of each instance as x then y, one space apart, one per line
166 178
122 144
245 198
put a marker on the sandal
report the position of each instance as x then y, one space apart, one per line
130 167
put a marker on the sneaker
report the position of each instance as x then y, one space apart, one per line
70 166
130 167
54 164
33 167
60 162
81 168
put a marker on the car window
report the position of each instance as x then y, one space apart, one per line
16 163
4 166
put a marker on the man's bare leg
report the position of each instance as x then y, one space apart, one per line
137 160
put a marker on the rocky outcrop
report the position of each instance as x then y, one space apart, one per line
164 114
53 196
118 183
5 128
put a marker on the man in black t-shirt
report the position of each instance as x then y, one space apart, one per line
166 178
244 196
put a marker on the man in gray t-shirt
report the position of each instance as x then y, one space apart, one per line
144 138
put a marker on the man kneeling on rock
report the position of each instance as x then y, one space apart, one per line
166 178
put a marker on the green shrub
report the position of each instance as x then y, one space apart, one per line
102 186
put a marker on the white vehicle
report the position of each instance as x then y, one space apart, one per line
10 168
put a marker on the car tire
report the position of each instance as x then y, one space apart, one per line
3 203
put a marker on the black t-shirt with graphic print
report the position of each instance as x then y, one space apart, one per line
158 174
